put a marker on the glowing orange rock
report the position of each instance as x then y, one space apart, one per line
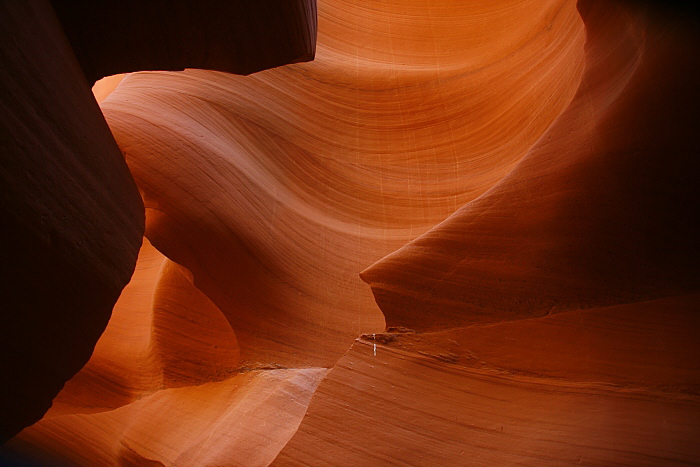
276 190
522 206
72 219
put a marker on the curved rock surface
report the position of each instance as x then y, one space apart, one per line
299 178
72 216
602 210
508 186
585 387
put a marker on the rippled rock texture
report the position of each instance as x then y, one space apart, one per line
499 198
72 217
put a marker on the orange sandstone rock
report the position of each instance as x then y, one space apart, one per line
243 420
276 190
72 218
522 206
602 210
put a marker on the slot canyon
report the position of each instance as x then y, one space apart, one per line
346 232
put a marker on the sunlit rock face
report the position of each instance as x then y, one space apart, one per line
497 198
276 190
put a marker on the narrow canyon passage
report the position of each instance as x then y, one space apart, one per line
463 234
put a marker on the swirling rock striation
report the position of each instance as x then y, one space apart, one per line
72 217
501 347
598 386
602 210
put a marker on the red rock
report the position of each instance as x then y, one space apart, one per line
515 183
72 216
275 195
582 387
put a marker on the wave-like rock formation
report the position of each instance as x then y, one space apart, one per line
604 386
601 211
298 179
510 187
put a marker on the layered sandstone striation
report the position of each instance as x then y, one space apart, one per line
499 198
613 385
502 349
602 210
275 190
243 36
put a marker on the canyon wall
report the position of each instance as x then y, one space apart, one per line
73 219
464 234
